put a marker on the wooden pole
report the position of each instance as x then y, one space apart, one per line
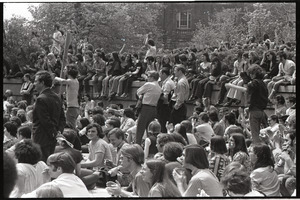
65 57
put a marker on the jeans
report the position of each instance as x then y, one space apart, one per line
71 116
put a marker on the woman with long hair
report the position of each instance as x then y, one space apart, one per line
238 150
153 172
195 160
218 159
263 177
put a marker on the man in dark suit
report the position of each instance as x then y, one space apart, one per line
48 115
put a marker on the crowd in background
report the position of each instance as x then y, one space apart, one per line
154 150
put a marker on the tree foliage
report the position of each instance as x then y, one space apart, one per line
275 19
105 25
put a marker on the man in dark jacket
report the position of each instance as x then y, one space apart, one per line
48 114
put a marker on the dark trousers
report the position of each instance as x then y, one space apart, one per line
47 150
200 88
179 115
80 80
257 118
194 84
208 88
86 82
128 83
163 115
147 114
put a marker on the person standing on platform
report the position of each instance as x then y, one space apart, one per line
258 95
180 96
48 115
72 89
151 92
163 108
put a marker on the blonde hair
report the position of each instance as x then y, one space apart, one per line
49 190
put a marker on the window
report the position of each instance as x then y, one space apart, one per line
183 20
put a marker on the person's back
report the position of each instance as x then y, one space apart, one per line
31 177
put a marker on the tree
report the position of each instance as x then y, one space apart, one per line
105 25
223 26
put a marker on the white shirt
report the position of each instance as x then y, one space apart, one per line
151 92
72 86
70 185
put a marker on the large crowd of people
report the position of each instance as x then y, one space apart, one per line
63 145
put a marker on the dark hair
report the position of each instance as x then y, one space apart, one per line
72 70
115 56
99 119
84 122
22 117
280 99
182 58
97 110
56 26
275 118
172 150
164 138
218 144
79 57
230 117
157 168
240 143
98 127
88 96
196 156
165 70
282 54
114 121
28 152
12 128
24 131
150 58
10 174
182 131
128 112
204 117
264 156
63 160
188 125
179 138
44 76
70 135
207 57
117 132
151 42
213 116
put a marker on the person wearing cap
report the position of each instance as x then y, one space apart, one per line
61 167
151 92
132 158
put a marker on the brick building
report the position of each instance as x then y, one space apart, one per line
178 20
